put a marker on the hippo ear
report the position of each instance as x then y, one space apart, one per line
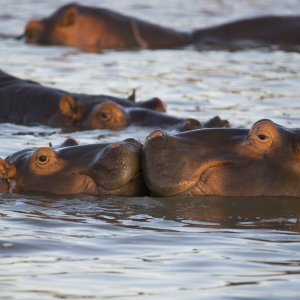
132 96
70 17
69 142
70 108
7 170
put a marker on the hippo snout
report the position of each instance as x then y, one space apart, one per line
33 32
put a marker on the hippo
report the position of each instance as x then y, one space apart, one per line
95 169
282 31
262 161
98 29
29 103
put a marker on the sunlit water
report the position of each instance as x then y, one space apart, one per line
145 248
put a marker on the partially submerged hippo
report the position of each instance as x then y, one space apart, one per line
97 169
29 103
98 29
283 31
262 161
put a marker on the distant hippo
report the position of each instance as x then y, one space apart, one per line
283 31
98 29
262 161
96 169
29 103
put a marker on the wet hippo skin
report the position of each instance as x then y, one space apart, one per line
97 169
283 31
98 29
29 103
262 161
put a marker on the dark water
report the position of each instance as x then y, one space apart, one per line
149 248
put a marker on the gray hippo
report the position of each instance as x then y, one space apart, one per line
262 161
282 31
29 103
97 29
97 169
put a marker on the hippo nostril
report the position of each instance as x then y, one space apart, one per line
156 133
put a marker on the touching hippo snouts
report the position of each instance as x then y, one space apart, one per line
261 161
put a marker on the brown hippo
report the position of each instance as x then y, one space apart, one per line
96 169
29 103
98 29
262 161
283 31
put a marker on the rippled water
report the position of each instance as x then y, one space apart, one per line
150 248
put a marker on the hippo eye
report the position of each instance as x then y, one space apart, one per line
262 137
104 115
43 159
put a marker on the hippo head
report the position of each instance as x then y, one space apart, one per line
57 29
106 115
111 115
96 169
262 161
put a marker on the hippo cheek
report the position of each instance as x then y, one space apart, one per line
59 184
212 178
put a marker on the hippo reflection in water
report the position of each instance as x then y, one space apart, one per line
29 103
97 29
262 161
97 169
